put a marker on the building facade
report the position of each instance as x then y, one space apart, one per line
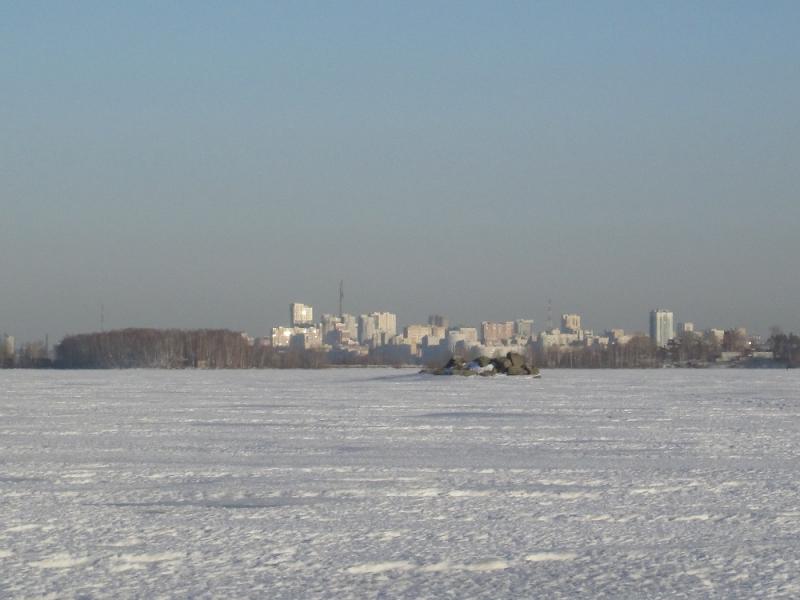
438 321
301 315
524 328
496 333
9 346
367 329
662 327
414 333
570 323
377 328
387 324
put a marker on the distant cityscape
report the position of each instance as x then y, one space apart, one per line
345 335
375 338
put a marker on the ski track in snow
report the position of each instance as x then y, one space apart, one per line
386 483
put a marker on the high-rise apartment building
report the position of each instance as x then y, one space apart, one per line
570 323
524 328
495 333
350 327
662 327
301 315
387 324
9 346
377 328
367 329
438 321
414 333
328 325
339 329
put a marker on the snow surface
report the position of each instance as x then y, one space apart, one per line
385 483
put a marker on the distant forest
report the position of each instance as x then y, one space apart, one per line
686 350
175 349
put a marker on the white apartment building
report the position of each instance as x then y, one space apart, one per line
570 323
662 327
524 328
9 345
377 328
301 315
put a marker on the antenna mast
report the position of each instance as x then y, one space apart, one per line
341 297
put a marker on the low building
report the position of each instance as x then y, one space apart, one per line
601 341
726 357
282 336
296 337
555 338
396 353
307 338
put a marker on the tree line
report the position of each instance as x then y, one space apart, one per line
687 349
175 349
639 353
225 349
786 348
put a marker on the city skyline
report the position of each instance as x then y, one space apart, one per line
377 338
378 327
643 321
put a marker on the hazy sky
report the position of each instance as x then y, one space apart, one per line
198 164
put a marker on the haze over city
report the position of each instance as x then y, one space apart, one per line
202 165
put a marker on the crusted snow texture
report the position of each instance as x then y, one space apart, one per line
389 484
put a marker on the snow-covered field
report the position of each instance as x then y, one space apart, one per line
385 483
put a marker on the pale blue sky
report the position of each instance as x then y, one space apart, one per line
196 164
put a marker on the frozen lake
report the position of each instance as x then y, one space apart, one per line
385 483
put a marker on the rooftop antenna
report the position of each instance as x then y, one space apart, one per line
102 316
341 298
549 314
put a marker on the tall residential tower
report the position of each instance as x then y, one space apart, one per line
302 315
662 327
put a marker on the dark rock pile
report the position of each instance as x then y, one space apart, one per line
511 364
